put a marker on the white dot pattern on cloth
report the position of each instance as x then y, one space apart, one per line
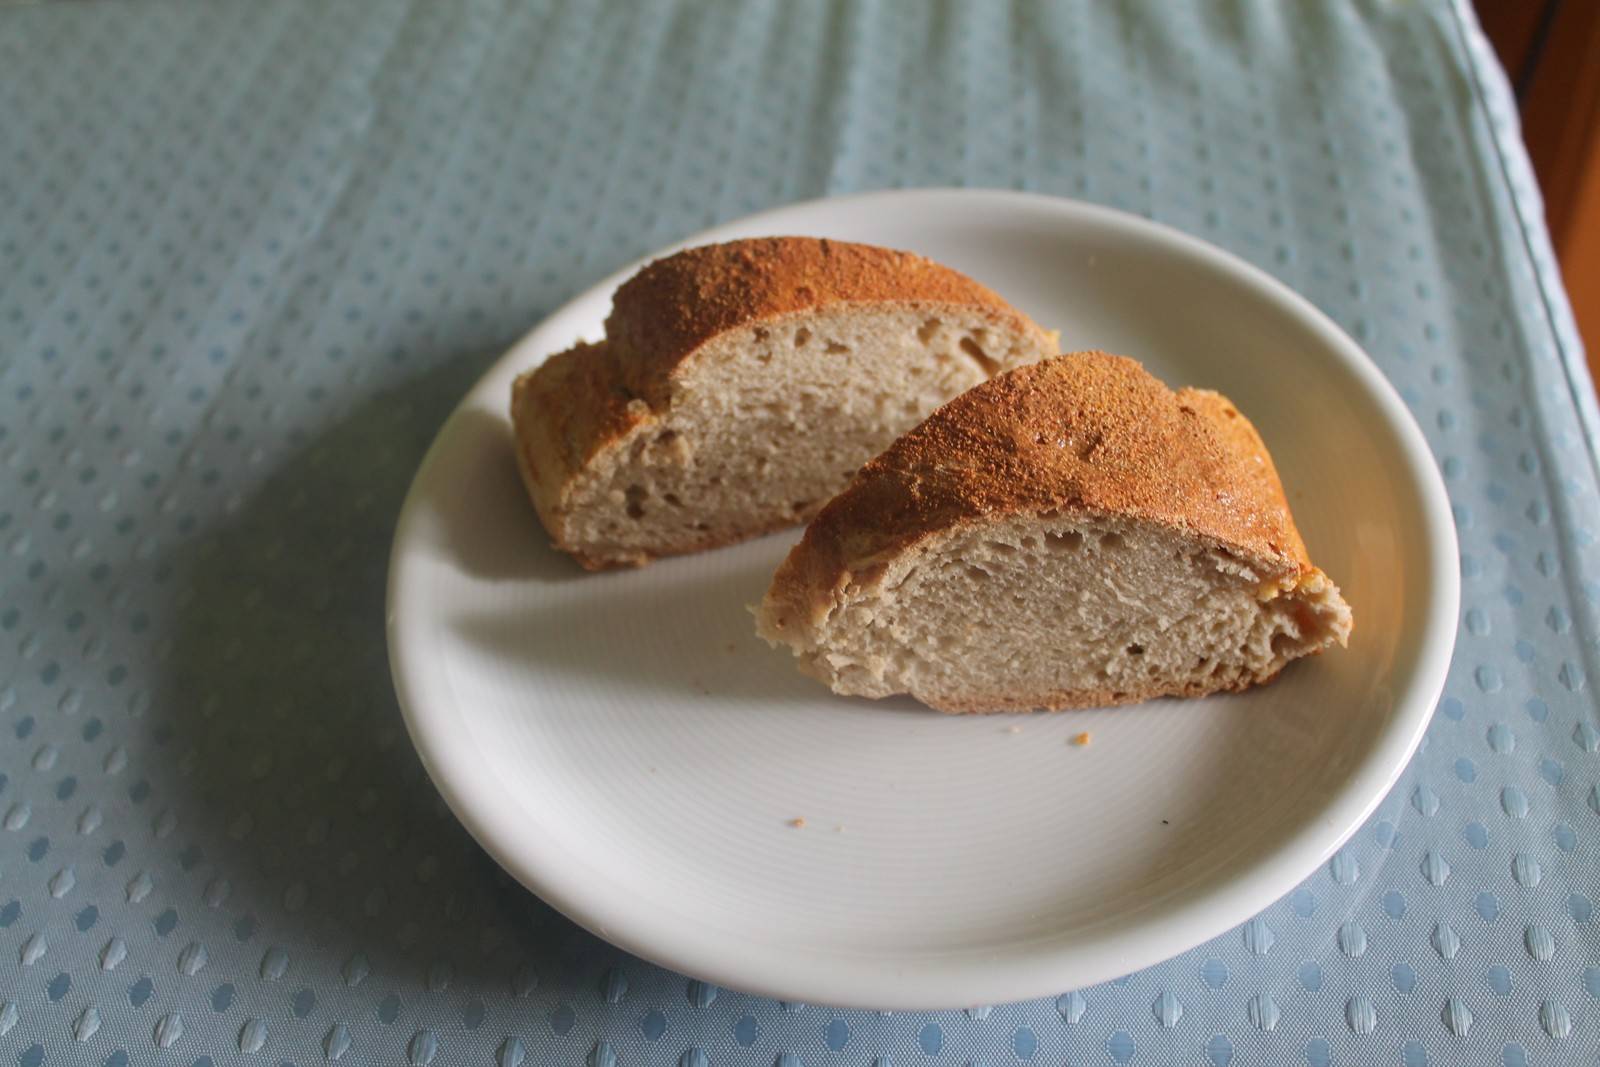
251 255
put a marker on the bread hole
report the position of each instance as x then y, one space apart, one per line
805 294
847 475
802 337
1282 644
799 505
1117 695
1135 649
1000 548
1112 542
834 348
715 479
635 495
1030 542
672 498
702 527
989 365
1301 622
911 407
926 331
1067 541
761 333
977 574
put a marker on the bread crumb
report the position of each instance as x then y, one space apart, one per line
1080 740
798 823
1013 729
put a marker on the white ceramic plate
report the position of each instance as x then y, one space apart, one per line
628 749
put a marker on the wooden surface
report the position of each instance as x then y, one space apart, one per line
1551 50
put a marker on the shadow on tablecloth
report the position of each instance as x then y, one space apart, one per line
308 808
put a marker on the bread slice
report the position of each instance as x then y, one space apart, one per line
740 385
1069 534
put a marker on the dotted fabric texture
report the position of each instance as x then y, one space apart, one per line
252 253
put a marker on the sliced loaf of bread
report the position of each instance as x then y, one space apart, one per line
740 385
1069 534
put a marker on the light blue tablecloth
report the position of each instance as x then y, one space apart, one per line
250 255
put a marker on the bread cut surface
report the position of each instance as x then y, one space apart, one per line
739 386
1069 534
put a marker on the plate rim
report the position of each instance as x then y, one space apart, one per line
449 757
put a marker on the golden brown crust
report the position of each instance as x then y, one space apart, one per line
670 308
560 411
1239 435
572 398
1085 433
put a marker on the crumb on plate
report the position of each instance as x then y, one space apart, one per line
798 823
1080 740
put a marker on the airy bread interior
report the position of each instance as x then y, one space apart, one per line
1069 611
768 422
